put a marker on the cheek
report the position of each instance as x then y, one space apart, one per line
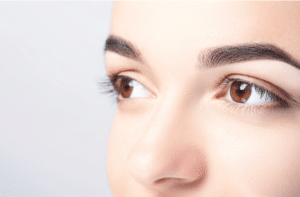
263 160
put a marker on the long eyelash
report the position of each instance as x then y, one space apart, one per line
107 87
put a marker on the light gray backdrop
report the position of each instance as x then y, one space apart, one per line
54 123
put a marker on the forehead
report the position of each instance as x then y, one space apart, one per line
174 27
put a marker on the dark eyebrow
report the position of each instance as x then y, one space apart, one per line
212 57
122 47
240 53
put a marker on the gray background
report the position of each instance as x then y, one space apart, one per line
54 123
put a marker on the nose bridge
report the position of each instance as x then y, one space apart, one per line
166 153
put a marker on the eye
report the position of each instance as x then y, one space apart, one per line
127 87
248 93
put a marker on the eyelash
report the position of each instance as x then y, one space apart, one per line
277 101
108 84
110 87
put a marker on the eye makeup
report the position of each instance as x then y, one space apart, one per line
237 91
234 90
269 97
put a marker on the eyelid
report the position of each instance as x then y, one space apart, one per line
264 85
114 78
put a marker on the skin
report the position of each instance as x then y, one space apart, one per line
184 141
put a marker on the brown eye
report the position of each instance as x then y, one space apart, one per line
125 87
240 91
128 88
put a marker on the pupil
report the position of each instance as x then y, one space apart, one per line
240 91
127 87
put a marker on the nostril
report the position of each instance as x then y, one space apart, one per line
164 180
169 182
165 168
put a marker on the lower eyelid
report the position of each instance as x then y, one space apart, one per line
251 111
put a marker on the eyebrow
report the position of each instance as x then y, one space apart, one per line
123 47
212 57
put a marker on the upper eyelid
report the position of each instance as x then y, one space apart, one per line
263 90
118 76
271 88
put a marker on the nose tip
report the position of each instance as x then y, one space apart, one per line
162 172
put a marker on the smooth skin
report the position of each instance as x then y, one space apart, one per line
182 139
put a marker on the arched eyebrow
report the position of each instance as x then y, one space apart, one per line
122 47
212 57
245 52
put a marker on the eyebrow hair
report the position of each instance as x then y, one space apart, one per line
122 47
212 57
245 52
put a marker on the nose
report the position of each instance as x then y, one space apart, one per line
169 153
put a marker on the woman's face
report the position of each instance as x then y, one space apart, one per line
208 100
